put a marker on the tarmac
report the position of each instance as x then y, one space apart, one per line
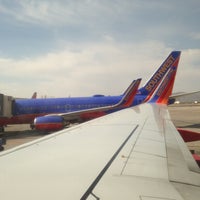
186 116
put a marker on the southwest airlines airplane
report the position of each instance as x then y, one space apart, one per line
134 154
37 111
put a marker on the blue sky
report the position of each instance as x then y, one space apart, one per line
84 47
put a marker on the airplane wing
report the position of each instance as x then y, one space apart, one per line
184 94
126 101
56 121
135 153
173 97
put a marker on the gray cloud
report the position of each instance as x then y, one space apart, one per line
97 68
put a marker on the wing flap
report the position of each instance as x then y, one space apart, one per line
146 165
148 155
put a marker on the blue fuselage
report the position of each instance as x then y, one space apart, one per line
24 111
64 105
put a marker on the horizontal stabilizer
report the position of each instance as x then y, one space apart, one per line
189 136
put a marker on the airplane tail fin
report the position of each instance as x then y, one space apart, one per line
164 90
129 95
149 88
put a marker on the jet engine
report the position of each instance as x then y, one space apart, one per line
49 123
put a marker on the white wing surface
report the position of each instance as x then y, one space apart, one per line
135 154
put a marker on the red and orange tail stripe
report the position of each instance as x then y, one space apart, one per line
164 90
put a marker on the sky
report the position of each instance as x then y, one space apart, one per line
84 47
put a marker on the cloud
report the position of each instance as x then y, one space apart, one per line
195 36
48 24
33 11
96 68
189 71
84 47
65 12
106 68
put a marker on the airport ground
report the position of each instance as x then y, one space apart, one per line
186 116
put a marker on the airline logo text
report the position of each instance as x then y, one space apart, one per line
156 78
164 84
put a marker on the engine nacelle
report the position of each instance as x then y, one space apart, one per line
49 123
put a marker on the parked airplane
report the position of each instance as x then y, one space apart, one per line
133 154
27 110
42 123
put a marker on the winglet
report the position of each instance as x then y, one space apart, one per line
164 90
149 88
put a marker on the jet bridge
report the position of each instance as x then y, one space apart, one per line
5 105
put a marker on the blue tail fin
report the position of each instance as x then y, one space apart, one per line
164 90
151 85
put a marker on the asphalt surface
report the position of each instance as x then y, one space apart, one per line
186 116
